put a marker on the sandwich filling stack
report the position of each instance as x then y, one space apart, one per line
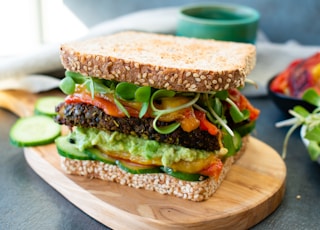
155 112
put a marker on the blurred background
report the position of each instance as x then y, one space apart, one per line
27 24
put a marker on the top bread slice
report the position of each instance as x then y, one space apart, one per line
162 61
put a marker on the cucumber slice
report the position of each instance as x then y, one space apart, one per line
183 175
137 168
33 131
68 149
96 154
46 105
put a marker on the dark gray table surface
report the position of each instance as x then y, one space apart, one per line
28 202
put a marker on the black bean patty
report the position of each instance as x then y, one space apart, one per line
85 115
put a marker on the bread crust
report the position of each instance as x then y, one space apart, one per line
162 61
158 182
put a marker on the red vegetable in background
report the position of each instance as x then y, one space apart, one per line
299 76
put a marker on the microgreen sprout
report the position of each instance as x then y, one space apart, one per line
211 103
160 112
302 117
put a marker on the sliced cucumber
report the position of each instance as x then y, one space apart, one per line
33 131
96 154
46 105
183 175
67 148
137 168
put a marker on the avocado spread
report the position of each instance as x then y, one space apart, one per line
148 149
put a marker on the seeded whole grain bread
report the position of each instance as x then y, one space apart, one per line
162 61
158 182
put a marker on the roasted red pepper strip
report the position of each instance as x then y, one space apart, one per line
214 169
107 106
205 124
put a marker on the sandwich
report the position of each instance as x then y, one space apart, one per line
155 112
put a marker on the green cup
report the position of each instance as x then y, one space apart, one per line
227 22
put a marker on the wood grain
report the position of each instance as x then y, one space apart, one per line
252 190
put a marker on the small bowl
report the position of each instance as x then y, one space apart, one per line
219 21
284 102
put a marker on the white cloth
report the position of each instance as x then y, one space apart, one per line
271 58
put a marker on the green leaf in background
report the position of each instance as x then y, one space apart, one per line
311 96
301 111
313 134
314 150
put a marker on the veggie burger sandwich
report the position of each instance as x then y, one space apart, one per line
156 112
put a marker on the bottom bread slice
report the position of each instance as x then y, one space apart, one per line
158 182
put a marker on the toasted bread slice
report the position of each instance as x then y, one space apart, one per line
162 61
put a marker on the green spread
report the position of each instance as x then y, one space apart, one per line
148 149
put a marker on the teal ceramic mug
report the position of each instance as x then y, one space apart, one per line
228 22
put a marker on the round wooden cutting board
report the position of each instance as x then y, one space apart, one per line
252 190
